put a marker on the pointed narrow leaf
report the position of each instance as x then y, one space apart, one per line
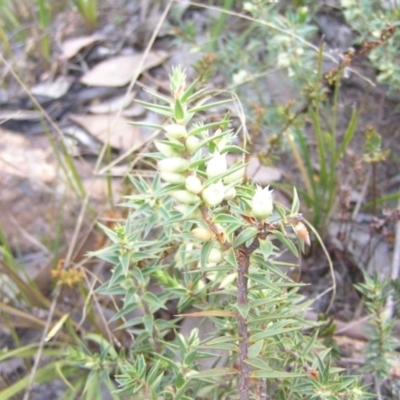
230 257
209 313
205 252
179 112
286 242
227 219
259 363
348 135
296 203
124 260
210 105
274 332
244 236
275 374
110 233
266 248
211 373
154 301
188 92
254 349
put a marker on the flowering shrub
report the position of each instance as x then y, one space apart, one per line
208 242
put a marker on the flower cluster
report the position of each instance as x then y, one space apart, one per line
182 165
193 159
198 162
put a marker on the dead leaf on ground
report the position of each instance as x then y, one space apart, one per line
112 105
54 89
107 129
73 46
119 71
19 159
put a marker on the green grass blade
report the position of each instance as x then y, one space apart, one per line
321 144
347 138
44 16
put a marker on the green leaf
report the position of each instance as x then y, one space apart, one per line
243 309
148 322
157 96
167 189
296 203
154 301
124 260
175 216
265 282
310 345
266 248
211 373
258 363
204 107
244 236
321 145
233 149
209 313
109 254
152 376
227 219
286 242
275 374
201 128
230 257
110 233
225 122
223 346
146 124
222 339
348 136
188 92
179 112
277 329
178 146
254 349
205 252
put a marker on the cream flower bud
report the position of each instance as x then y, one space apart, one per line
183 196
193 184
172 177
214 194
216 255
262 205
230 194
173 164
216 165
166 150
236 176
192 144
203 234
175 131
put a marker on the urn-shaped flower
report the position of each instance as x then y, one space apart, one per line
262 204
214 194
216 165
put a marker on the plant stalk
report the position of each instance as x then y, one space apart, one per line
243 269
